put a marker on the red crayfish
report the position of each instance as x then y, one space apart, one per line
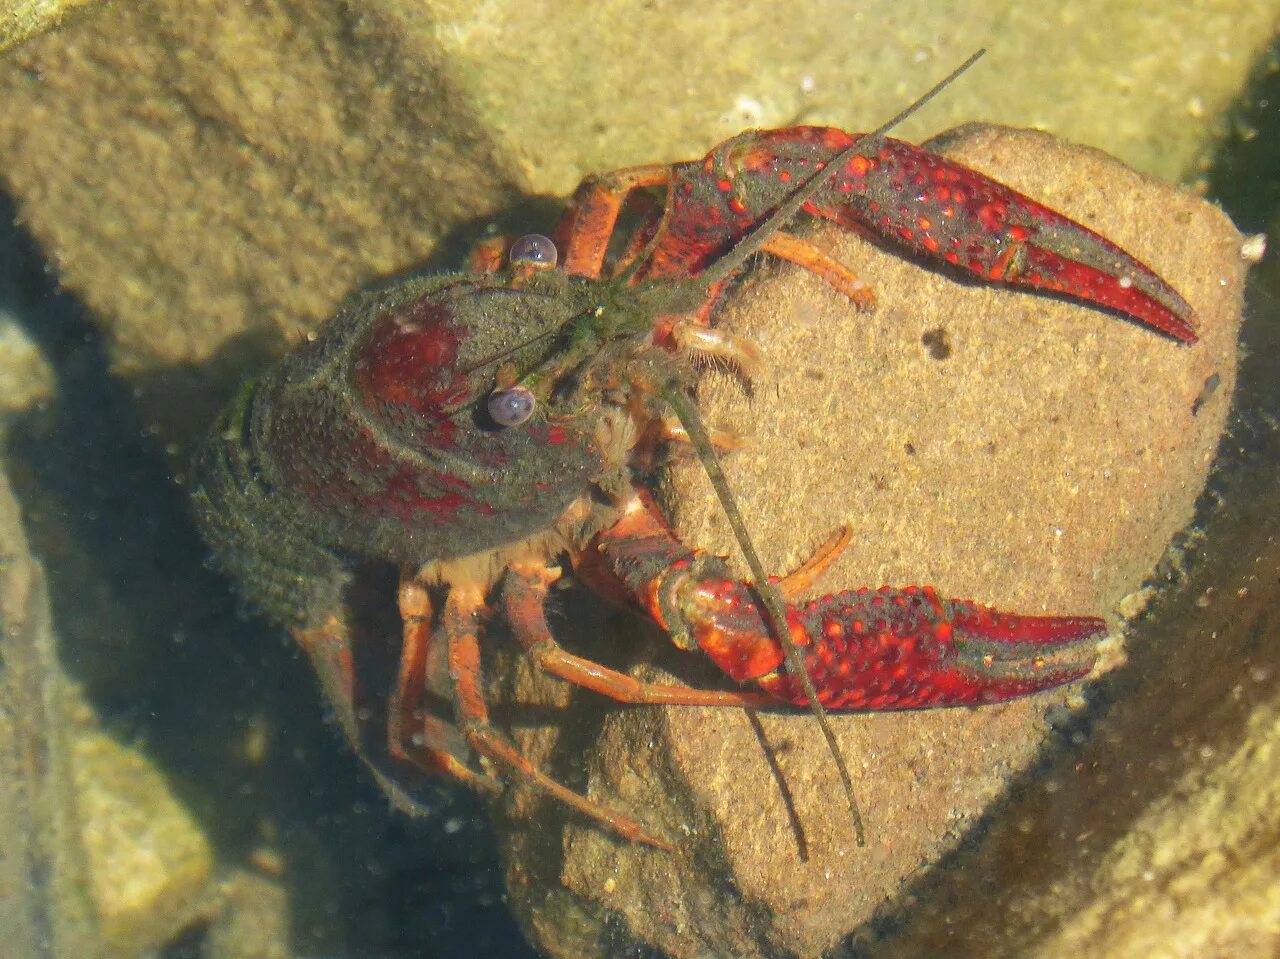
476 428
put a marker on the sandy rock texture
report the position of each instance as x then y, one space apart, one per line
1017 449
1165 844
23 19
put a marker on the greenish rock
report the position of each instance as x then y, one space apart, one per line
21 20
25 376
97 857
45 902
149 864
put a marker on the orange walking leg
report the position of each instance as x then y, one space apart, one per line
524 592
459 623
584 233
413 735
804 254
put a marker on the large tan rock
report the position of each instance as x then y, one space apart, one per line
1158 837
1020 450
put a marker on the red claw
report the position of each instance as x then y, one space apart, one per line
1167 312
905 194
998 234
892 648
909 649
864 649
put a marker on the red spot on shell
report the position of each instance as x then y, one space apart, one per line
993 216
408 364
402 498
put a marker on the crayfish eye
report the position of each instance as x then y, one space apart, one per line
511 407
533 250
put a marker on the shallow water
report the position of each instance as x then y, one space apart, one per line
307 857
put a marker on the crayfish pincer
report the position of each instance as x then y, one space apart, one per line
478 430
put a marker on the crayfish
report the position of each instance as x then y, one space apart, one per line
476 429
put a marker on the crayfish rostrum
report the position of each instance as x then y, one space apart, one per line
477 429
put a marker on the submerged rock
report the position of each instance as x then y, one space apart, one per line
1041 463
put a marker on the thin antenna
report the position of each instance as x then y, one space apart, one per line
691 420
775 608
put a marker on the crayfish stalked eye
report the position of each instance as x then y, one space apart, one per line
511 407
533 250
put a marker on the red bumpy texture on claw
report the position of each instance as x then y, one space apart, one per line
908 649
999 234
898 191
864 649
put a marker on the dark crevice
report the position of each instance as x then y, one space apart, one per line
172 668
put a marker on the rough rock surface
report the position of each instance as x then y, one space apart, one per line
1165 843
1017 449
98 858
23 19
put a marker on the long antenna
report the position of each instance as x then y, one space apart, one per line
691 420
775 608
